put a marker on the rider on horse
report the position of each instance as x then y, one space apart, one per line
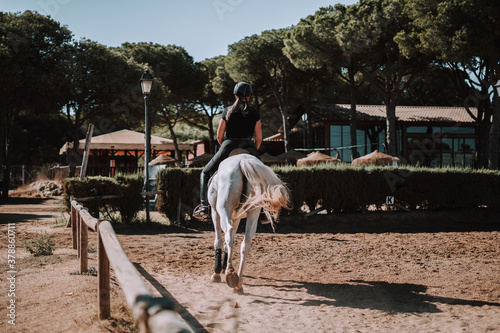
239 122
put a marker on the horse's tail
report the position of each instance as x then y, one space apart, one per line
266 189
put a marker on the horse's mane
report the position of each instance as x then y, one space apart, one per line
267 190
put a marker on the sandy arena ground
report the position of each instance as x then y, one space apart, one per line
374 272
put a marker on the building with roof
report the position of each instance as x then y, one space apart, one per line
122 150
428 136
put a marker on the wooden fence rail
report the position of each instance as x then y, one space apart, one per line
153 314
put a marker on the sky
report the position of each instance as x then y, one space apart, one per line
205 28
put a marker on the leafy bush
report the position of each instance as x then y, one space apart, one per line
128 186
43 246
183 183
131 202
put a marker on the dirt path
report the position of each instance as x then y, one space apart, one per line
406 272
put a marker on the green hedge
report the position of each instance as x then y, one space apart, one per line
346 188
177 183
351 189
129 186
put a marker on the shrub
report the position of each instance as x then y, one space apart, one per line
347 188
131 202
43 246
128 186
178 183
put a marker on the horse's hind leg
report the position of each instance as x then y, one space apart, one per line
218 243
224 260
220 261
217 266
246 245
232 278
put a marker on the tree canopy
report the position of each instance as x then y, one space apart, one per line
31 49
375 51
464 36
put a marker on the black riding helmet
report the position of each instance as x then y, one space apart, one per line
242 89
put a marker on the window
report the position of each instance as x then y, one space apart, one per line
458 130
441 152
336 139
340 140
423 129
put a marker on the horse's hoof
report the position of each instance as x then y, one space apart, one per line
215 277
238 291
232 279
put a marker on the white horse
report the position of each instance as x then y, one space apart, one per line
242 186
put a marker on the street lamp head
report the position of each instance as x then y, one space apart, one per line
497 87
146 82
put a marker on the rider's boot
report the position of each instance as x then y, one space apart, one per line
202 211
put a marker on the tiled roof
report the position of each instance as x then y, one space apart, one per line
403 113
126 140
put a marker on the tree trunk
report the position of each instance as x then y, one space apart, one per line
72 156
211 135
353 122
174 139
494 135
7 151
482 143
284 116
308 128
3 149
309 133
391 129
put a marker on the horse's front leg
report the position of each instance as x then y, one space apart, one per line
231 276
246 245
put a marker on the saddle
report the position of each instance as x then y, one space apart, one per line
239 151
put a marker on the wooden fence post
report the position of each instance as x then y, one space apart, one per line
103 277
73 226
83 246
78 231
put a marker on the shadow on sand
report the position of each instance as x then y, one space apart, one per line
374 295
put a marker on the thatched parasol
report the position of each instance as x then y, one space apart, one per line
201 160
317 158
376 158
269 159
163 159
291 156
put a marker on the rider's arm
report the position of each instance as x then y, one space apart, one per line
221 130
258 134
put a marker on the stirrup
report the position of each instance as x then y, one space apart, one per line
201 212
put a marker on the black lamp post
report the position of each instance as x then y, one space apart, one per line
146 84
